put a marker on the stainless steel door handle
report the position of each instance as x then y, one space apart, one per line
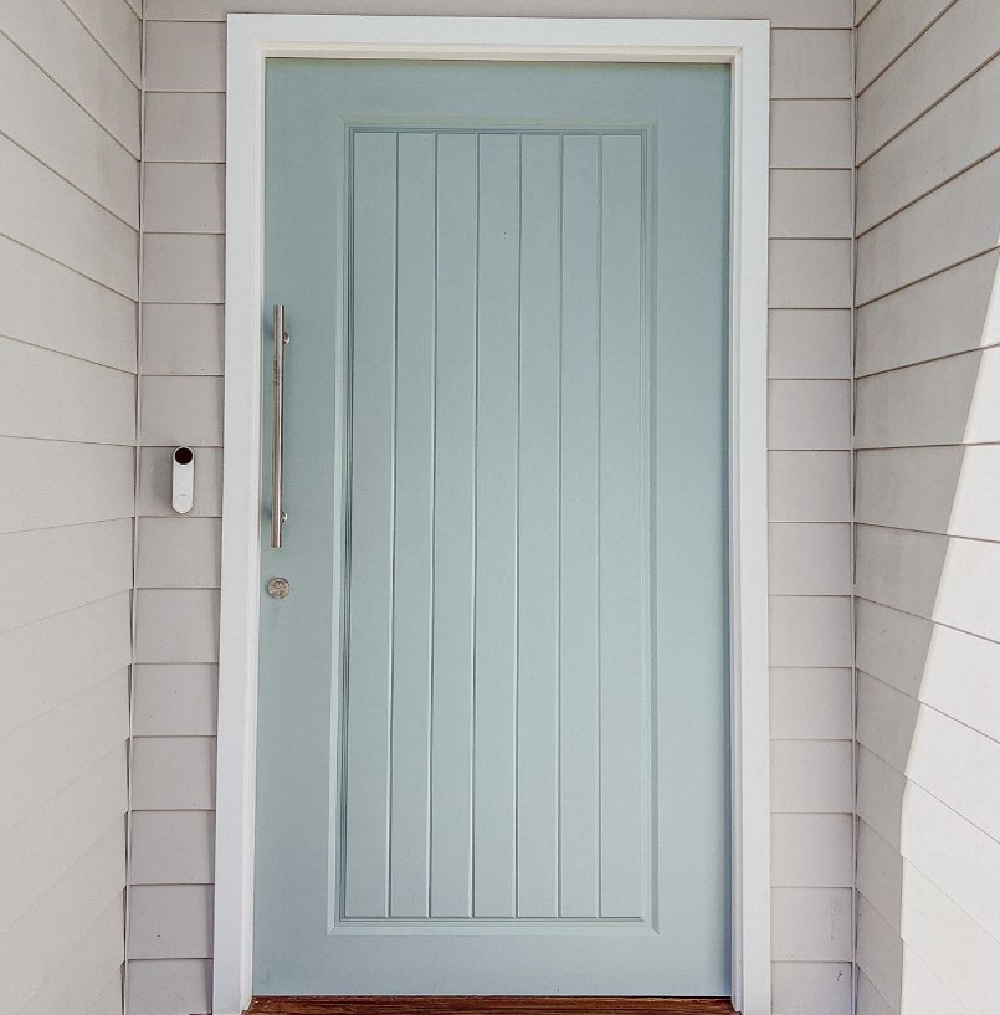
278 516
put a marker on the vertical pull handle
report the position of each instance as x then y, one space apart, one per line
278 516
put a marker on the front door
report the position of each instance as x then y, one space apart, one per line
493 708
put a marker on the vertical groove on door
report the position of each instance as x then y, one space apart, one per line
600 540
454 525
414 520
537 534
393 463
373 356
496 527
433 531
578 441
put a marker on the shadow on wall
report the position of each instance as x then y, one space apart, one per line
928 652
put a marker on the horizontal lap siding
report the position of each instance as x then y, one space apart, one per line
928 543
69 146
810 373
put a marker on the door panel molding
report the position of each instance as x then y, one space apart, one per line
745 46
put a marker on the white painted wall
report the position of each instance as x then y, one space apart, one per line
69 202
810 474
928 481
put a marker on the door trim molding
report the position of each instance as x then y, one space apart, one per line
745 45
458 1005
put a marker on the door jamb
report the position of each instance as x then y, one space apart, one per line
745 46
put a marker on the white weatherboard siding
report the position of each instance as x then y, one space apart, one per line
809 471
928 479
69 214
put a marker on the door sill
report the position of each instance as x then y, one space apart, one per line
468 1005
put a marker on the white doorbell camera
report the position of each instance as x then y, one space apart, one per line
183 499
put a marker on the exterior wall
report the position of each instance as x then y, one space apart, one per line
810 475
928 475
69 204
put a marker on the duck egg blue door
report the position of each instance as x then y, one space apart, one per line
492 749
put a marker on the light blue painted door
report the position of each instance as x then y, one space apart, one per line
493 708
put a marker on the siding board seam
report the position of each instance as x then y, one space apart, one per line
937 102
904 859
933 708
60 613
924 278
868 598
72 183
888 764
116 901
944 534
41 803
86 843
63 440
924 362
107 52
72 356
65 525
901 931
69 267
931 190
68 93
867 15
930 532
907 47
917 616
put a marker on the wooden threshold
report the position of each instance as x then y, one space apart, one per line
468 1005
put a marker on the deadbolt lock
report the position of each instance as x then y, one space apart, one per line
278 588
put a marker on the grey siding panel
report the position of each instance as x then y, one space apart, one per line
185 56
182 197
781 13
47 122
185 127
40 848
170 987
947 226
56 219
812 65
69 121
90 977
49 395
181 338
927 547
942 315
957 44
56 658
172 847
960 127
89 321
57 41
810 476
891 28
62 483
63 568
86 727
57 925
175 700
115 24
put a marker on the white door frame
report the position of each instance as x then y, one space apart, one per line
742 44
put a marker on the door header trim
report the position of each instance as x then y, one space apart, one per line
745 46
